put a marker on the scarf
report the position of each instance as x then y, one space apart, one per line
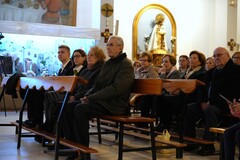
190 71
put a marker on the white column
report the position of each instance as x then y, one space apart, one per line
88 14
232 26
221 23
105 23
238 25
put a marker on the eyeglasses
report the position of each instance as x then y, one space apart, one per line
77 56
111 45
143 60
61 52
91 55
218 55
236 58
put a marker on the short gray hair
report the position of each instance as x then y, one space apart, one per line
119 39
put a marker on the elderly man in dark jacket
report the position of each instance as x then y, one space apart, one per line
224 80
109 95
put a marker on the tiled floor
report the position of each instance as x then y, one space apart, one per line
30 150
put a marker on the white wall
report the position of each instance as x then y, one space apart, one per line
232 25
88 14
201 24
238 24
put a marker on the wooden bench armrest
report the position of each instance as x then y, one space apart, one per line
217 130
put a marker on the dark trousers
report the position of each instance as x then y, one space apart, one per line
192 114
35 106
212 116
231 137
76 118
166 107
146 106
52 104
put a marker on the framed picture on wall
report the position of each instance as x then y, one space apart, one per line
59 12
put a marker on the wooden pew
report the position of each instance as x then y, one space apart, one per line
151 87
59 84
219 131
131 130
141 86
186 86
52 137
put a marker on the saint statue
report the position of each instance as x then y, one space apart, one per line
157 41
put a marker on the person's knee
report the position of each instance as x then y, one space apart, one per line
81 109
238 136
227 133
69 108
208 111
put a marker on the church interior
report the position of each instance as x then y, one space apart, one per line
29 45
203 26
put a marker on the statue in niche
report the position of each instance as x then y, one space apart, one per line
156 42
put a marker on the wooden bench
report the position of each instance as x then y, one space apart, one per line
151 87
141 86
50 136
217 130
220 132
59 84
173 135
145 87
132 130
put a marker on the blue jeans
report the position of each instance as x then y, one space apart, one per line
231 137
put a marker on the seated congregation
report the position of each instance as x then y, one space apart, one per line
205 108
109 86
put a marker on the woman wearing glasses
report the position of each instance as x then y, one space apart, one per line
95 60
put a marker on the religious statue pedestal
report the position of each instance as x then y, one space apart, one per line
157 56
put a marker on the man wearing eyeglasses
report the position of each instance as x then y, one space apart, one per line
224 80
109 95
236 58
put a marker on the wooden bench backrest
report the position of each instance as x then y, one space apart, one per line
155 86
58 83
185 85
147 86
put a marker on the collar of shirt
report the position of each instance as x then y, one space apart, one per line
64 65
78 68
